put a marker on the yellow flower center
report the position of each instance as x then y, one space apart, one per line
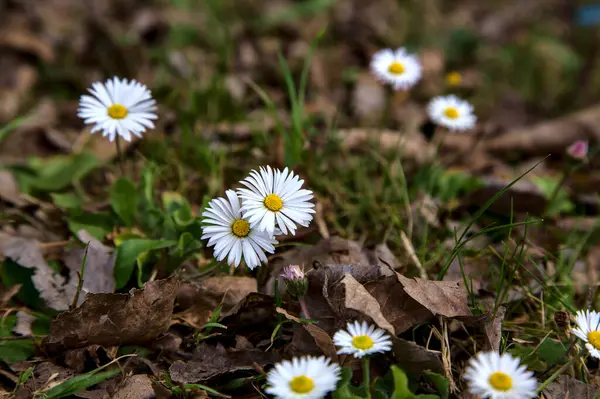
451 113
362 342
117 111
594 338
273 202
240 228
501 381
302 384
396 68
453 79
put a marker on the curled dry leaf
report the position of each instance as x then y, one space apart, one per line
56 292
493 331
115 319
212 361
445 298
134 387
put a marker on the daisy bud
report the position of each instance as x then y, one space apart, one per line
297 284
578 150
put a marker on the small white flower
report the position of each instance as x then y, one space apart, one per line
307 377
362 339
274 199
118 107
452 112
398 68
231 234
495 376
588 330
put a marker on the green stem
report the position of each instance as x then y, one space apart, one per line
556 190
367 377
120 155
303 307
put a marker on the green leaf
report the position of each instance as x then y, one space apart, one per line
124 200
128 253
9 127
66 200
11 274
552 351
97 224
440 382
80 383
401 390
17 350
58 172
343 390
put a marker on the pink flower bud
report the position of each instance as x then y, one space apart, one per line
578 150
292 272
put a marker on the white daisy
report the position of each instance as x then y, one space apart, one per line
274 199
451 112
495 376
588 330
362 339
231 234
118 107
398 68
307 377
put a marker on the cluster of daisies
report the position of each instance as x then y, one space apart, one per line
489 374
403 70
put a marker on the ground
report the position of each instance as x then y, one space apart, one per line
485 240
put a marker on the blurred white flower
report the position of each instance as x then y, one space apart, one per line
306 377
274 199
361 339
451 112
398 68
231 234
495 376
118 107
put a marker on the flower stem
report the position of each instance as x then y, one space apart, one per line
303 307
556 190
367 377
120 155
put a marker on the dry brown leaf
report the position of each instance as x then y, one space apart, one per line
9 190
569 387
54 290
413 359
231 289
211 361
368 99
24 322
493 331
115 319
99 264
445 298
548 137
137 386
356 297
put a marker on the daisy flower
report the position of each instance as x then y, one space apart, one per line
495 376
307 377
398 68
231 234
588 330
118 107
452 113
274 199
362 339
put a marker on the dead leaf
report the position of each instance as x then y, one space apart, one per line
445 298
398 308
413 359
115 319
137 386
211 361
54 290
231 289
368 99
99 265
357 298
569 387
9 190
493 331
45 374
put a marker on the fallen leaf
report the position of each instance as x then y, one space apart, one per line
230 289
445 298
24 322
54 290
115 319
99 263
9 190
368 99
211 361
493 331
137 386
569 387
414 359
